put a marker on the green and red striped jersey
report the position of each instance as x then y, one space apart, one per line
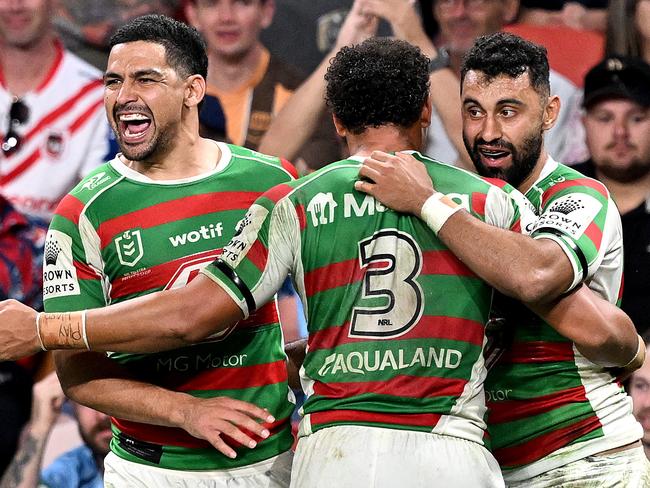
548 404
119 235
395 320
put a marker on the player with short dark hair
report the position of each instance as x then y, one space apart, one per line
184 46
149 220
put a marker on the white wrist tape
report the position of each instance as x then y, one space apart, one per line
435 212
38 331
639 352
83 329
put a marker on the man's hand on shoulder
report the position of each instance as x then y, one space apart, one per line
398 181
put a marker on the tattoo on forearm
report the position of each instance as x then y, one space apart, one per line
26 454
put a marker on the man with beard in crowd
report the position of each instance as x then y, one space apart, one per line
617 125
81 467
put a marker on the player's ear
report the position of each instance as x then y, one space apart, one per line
551 112
340 130
194 90
425 115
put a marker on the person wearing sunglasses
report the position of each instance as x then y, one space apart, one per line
52 124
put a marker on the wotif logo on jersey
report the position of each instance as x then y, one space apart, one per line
202 233
321 209
129 247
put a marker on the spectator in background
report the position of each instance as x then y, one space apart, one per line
460 22
21 258
581 14
617 124
628 29
639 389
54 129
81 467
86 25
312 25
251 84
300 117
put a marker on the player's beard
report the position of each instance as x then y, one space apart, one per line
523 158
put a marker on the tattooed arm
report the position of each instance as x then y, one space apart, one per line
25 468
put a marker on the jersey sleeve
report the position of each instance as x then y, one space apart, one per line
507 208
261 254
71 262
581 218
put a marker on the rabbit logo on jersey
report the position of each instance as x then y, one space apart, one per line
570 214
321 209
59 273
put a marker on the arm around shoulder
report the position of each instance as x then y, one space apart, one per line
160 321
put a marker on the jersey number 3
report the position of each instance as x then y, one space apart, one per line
393 300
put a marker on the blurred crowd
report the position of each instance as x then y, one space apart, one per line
267 60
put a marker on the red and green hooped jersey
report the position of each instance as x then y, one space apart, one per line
548 404
119 235
396 321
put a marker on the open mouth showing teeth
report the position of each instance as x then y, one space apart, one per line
494 153
134 126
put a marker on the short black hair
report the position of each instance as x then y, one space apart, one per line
378 82
503 53
185 49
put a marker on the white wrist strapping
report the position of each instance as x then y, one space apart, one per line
639 351
83 329
436 212
38 331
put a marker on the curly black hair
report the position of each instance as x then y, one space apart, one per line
378 82
184 47
507 54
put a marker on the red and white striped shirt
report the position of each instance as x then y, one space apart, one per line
64 137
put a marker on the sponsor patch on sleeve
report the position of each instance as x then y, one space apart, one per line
59 273
245 236
570 214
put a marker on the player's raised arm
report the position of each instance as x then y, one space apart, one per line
156 322
534 271
531 270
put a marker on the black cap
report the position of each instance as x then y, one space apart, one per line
618 77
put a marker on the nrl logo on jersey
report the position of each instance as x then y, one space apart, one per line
129 247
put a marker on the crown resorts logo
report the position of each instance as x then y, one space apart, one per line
570 204
52 250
